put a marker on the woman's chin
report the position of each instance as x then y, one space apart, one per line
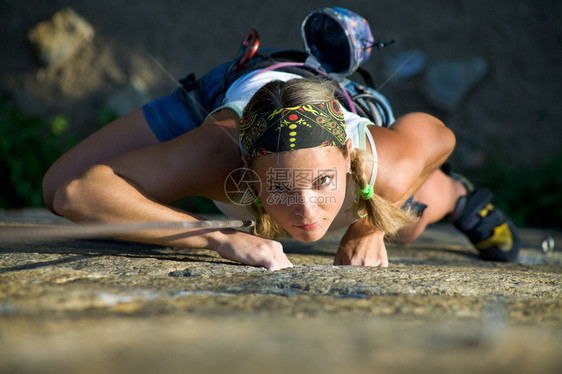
308 236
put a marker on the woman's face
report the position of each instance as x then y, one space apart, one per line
303 190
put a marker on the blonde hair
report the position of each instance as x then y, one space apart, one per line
382 214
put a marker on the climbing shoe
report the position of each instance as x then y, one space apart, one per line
487 227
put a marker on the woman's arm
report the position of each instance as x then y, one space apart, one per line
408 152
99 195
134 187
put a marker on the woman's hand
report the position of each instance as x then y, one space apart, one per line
252 250
360 248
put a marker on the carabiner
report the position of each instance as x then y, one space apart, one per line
249 46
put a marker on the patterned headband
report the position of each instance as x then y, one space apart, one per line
289 129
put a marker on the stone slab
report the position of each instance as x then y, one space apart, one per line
110 306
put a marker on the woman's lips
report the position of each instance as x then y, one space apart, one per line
309 226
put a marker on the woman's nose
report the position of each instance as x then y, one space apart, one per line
305 203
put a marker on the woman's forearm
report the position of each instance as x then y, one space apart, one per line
99 195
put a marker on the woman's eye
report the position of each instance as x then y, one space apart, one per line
324 180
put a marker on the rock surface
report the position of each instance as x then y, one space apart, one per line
447 83
109 306
57 39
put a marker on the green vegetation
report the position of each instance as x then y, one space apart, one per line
28 146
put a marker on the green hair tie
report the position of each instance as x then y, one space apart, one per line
257 202
367 192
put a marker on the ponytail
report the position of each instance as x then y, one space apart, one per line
381 213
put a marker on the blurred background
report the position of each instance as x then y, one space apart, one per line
490 70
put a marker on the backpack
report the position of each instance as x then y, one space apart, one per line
326 32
